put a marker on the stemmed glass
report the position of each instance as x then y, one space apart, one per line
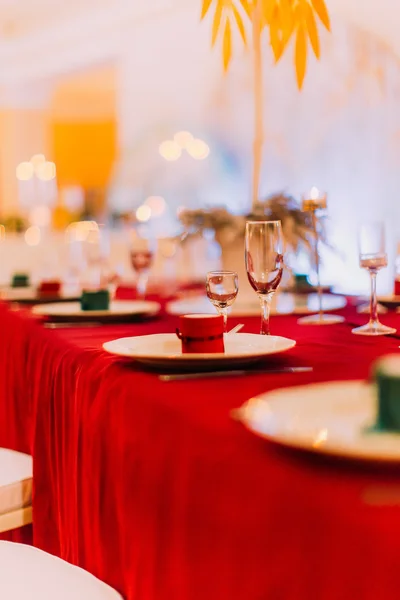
314 203
373 257
264 263
142 252
98 270
222 288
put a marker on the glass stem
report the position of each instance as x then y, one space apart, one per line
224 313
265 302
142 285
374 303
316 258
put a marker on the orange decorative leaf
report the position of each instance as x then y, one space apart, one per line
216 22
246 7
286 14
205 7
321 10
275 39
287 20
268 8
239 23
312 29
227 44
300 55
287 34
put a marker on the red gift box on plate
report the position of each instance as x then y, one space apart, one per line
49 288
201 334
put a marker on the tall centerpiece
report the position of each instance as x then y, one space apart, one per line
260 23
279 21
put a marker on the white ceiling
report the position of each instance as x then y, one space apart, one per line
19 17
43 38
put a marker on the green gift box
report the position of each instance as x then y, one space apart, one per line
387 376
20 280
301 282
99 300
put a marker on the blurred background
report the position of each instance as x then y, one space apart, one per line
130 103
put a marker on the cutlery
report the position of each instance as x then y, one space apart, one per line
237 328
66 325
234 373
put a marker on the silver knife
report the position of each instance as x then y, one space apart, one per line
235 373
70 324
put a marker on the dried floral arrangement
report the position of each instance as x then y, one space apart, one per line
296 225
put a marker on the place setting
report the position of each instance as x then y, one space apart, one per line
358 420
22 291
316 304
202 341
98 283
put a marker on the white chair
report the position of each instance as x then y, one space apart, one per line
27 573
15 489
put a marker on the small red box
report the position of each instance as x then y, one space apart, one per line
397 287
201 334
49 288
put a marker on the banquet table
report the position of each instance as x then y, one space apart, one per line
154 488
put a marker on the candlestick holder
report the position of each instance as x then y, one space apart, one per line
314 203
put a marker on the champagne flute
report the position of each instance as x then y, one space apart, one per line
142 255
264 263
373 257
222 288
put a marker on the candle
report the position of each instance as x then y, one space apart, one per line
314 200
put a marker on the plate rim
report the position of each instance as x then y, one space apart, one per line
245 309
389 298
193 357
45 309
239 415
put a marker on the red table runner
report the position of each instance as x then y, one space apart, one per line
153 487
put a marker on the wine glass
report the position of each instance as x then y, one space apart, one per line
99 273
264 263
222 288
373 257
142 254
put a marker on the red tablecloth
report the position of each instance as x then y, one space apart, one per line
156 490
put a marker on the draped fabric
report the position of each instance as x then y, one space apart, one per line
155 489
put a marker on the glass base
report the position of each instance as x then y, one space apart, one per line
372 328
319 319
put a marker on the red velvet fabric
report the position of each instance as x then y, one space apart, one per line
153 487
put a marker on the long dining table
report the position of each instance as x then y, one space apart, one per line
153 487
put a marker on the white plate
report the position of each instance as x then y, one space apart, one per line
391 301
330 418
286 304
118 308
30 294
164 350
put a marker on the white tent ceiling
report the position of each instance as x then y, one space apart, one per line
43 38
20 17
